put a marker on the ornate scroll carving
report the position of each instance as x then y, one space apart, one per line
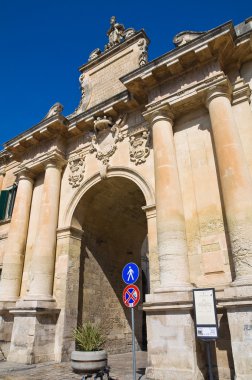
77 168
143 47
85 94
105 137
183 38
139 149
94 54
56 109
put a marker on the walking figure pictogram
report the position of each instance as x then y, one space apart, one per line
130 274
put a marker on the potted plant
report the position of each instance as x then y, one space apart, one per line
89 356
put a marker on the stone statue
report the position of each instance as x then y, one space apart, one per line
115 33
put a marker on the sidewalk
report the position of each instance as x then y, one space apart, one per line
120 369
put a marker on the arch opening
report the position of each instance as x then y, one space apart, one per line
115 229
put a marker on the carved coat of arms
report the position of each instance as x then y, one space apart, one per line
105 137
77 169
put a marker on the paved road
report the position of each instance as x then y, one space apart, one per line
120 367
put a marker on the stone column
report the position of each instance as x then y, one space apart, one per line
15 246
172 247
236 183
66 289
152 246
43 255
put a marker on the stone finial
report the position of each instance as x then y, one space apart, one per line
183 38
56 109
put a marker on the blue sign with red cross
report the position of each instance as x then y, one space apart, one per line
131 295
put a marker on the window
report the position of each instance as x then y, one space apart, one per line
7 199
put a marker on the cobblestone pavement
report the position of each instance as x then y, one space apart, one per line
120 369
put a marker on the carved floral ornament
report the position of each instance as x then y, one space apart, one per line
77 170
139 146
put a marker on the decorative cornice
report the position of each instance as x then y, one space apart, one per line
241 92
114 50
49 127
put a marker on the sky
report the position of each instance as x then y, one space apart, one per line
44 42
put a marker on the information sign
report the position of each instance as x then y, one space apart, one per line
205 313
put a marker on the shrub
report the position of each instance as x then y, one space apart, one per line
88 337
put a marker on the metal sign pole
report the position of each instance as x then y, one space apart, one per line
209 360
133 344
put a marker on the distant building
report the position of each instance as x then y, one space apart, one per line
154 167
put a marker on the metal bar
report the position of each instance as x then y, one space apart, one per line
133 344
209 360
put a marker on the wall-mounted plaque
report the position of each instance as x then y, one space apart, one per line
206 325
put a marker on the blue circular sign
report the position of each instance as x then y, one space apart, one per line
130 273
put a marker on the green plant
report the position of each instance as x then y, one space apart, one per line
88 337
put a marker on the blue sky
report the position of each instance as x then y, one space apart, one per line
43 42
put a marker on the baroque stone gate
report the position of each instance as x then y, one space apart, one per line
154 165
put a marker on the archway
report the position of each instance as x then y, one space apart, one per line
115 229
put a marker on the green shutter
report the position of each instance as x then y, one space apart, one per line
13 191
3 202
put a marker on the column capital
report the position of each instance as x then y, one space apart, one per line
55 161
150 211
222 90
159 112
70 232
23 173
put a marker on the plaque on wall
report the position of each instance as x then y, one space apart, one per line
206 325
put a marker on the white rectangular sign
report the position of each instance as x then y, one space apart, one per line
204 307
207 332
205 313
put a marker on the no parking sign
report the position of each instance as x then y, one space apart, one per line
131 295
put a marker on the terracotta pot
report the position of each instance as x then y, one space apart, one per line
88 361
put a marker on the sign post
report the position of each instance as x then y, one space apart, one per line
131 297
206 325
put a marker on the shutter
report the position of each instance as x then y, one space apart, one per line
12 200
3 202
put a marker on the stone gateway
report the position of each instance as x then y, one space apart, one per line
154 167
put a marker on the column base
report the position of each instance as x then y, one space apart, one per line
238 302
152 373
33 335
6 326
171 337
243 281
174 288
8 299
38 297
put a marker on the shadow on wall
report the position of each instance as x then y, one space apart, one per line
114 230
221 352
